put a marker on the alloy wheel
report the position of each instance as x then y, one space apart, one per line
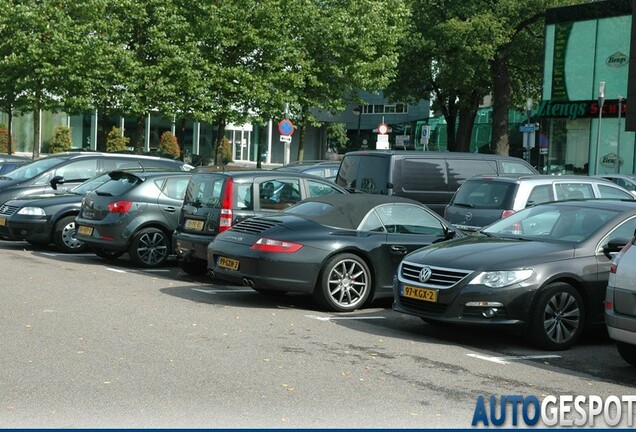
562 317
152 248
348 283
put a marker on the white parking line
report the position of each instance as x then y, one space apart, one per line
116 270
319 318
508 359
222 291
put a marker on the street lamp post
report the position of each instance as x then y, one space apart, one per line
529 136
358 111
601 100
618 139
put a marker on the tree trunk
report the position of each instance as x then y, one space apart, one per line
466 120
36 133
139 142
9 132
500 106
449 110
180 133
220 137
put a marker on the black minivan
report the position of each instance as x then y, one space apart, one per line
428 177
216 200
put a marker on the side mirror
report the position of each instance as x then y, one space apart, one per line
56 180
615 245
450 232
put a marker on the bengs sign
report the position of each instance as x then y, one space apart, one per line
579 109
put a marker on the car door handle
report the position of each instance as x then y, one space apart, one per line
400 250
170 209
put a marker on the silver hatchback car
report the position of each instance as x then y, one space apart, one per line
482 200
620 302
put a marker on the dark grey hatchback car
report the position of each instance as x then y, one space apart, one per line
134 213
217 200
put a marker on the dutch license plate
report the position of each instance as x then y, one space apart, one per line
3 221
194 224
416 293
85 230
228 263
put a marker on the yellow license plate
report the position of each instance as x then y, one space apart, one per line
194 224
3 221
84 230
228 263
416 293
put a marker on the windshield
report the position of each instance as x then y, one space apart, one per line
572 224
91 184
31 170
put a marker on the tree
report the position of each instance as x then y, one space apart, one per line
116 141
460 51
62 140
169 145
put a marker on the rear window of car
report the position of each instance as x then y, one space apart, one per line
205 190
364 173
119 184
485 194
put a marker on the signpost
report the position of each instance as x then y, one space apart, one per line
286 129
383 138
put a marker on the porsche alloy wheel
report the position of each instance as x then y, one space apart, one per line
345 283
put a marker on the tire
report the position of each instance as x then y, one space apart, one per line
558 317
194 267
344 284
107 254
64 236
150 248
627 352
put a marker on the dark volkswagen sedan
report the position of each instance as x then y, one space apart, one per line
544 270
41 220
343 249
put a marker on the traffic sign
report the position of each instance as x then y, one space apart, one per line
528 128
383 128
285 127
285 138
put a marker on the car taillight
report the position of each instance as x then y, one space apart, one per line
225 221
507 213
119 206
265 244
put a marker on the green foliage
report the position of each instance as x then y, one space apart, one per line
337 136
61 140
169 145
115 141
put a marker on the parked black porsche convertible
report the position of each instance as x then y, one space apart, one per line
342 249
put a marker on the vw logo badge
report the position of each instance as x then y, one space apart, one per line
425 274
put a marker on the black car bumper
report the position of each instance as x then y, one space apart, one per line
190 246
31 229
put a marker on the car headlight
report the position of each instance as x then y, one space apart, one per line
499 279
31 211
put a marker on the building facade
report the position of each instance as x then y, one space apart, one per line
586 69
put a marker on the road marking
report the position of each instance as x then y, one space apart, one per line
156 270
222 291
508 359
319 318
64 254
116 270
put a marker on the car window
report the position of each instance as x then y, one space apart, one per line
540 194
205 191
78 170
420 174
459 170
111 164
244 199
511 167
34 168
612 192
91 184
119 184
625 183
371 222
408 219
317 189
568 191
368 174
485 194
279 194
174 187
624 230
